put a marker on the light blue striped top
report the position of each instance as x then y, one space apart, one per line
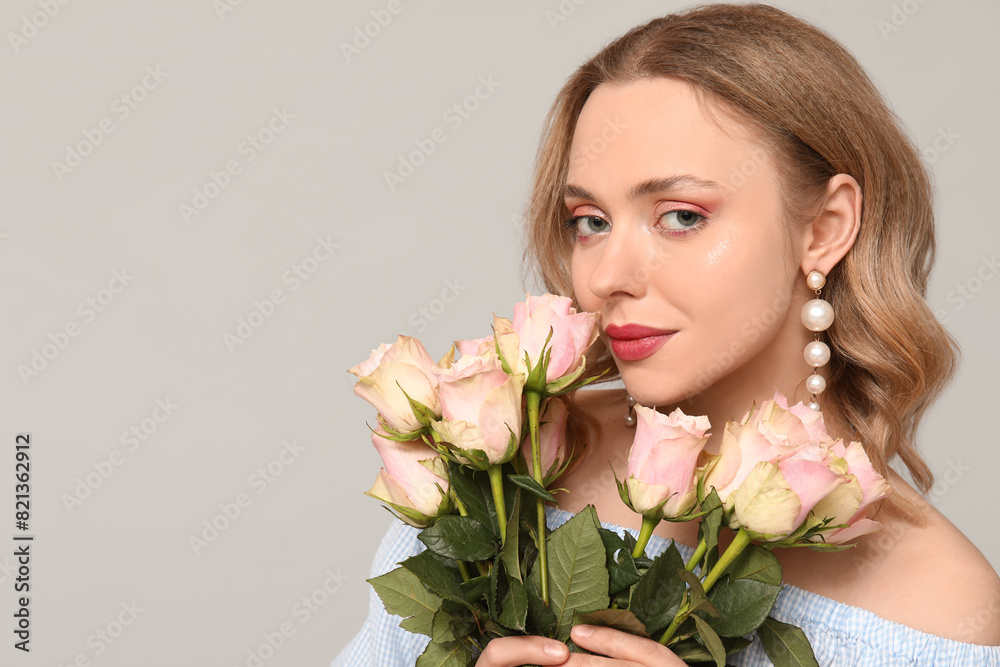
841 635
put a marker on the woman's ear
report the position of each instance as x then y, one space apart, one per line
832 232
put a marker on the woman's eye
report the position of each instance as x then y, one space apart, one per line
587 225
682 219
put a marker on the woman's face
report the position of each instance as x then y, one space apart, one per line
677 227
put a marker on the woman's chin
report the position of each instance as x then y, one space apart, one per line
652 397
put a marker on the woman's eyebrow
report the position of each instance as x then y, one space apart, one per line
648 187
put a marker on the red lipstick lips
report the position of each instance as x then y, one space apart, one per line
632 342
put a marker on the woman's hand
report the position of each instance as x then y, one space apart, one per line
523 650
620 648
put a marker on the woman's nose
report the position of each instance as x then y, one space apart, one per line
620 265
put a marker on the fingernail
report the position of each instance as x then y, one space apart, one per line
583 630
555 649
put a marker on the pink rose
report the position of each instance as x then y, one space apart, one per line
414 480
481 408
476 346
662 461
770 433
850 507
572 334
391 370
551 440
811 420
776 497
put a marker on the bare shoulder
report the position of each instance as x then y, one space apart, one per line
930 577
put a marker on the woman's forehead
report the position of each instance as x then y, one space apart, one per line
632 131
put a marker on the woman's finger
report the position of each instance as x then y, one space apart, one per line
524 650
624 646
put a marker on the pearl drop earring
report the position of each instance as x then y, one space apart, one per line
817 316
630 416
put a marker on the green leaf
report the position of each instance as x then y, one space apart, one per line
711 640
459 537
514 606
619 619
691 652
403 594
621 598
658 594
622 572
443 655
697 601
786 645
630 541
542 618
531 486
735 644
744 604
757 563
474 491
694 652
421 624
709 528
509 550
476 588
694 583
441 631
436 576
642 563
493 629
530 552
491 592
464 622
578 578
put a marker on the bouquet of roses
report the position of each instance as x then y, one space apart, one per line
470 444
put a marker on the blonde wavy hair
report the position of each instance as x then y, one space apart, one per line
812 104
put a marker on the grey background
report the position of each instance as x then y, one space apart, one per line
453 225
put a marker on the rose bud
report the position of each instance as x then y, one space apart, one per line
392 370
776 497
661 464
414 481
481 410
769 433
866 487
534 320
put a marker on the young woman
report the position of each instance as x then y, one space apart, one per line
700 179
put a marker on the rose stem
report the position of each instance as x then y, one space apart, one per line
496 482
740 542
644 534
696 557
464 512
534 400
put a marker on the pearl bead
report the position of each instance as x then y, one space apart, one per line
817 315
630 419
817 353
815 279
814 405
630 400
815 384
